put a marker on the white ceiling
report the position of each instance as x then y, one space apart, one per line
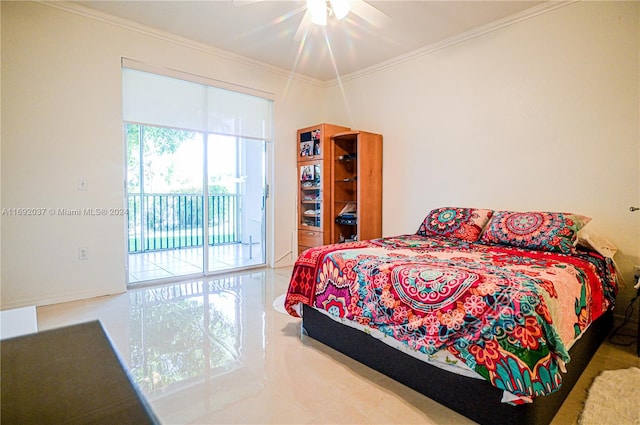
264 30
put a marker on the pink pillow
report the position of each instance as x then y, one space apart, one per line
543 231
460 223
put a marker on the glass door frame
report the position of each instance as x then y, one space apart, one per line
205 266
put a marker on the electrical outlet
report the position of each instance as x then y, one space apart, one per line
83 253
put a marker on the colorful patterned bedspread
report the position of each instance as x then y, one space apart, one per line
509 314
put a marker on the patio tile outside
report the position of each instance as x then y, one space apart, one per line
155 265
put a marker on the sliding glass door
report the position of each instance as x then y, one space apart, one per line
196 174
170 174
236 183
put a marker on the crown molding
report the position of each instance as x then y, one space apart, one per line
459 38
86 12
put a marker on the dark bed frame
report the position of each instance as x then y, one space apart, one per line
473 398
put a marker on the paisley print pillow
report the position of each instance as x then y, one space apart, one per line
460 223
543 231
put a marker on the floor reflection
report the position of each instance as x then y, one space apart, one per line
190 341
185 333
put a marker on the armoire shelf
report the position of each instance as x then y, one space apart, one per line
339 185
356 190
313 184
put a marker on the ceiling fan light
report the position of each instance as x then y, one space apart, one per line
318 10
340 8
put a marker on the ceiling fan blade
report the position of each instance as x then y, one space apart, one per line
369 13
305 25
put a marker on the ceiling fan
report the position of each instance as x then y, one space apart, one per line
318 11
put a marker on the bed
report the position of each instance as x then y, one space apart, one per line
494 314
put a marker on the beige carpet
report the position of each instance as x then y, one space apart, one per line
614 398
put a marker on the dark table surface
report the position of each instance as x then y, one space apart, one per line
68 375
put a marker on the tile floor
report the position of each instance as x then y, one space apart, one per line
215 351
170 263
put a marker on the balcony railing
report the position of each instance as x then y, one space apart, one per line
159 221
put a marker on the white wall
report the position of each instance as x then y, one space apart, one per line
62 119
539 115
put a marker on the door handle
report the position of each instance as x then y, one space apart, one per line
634 209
